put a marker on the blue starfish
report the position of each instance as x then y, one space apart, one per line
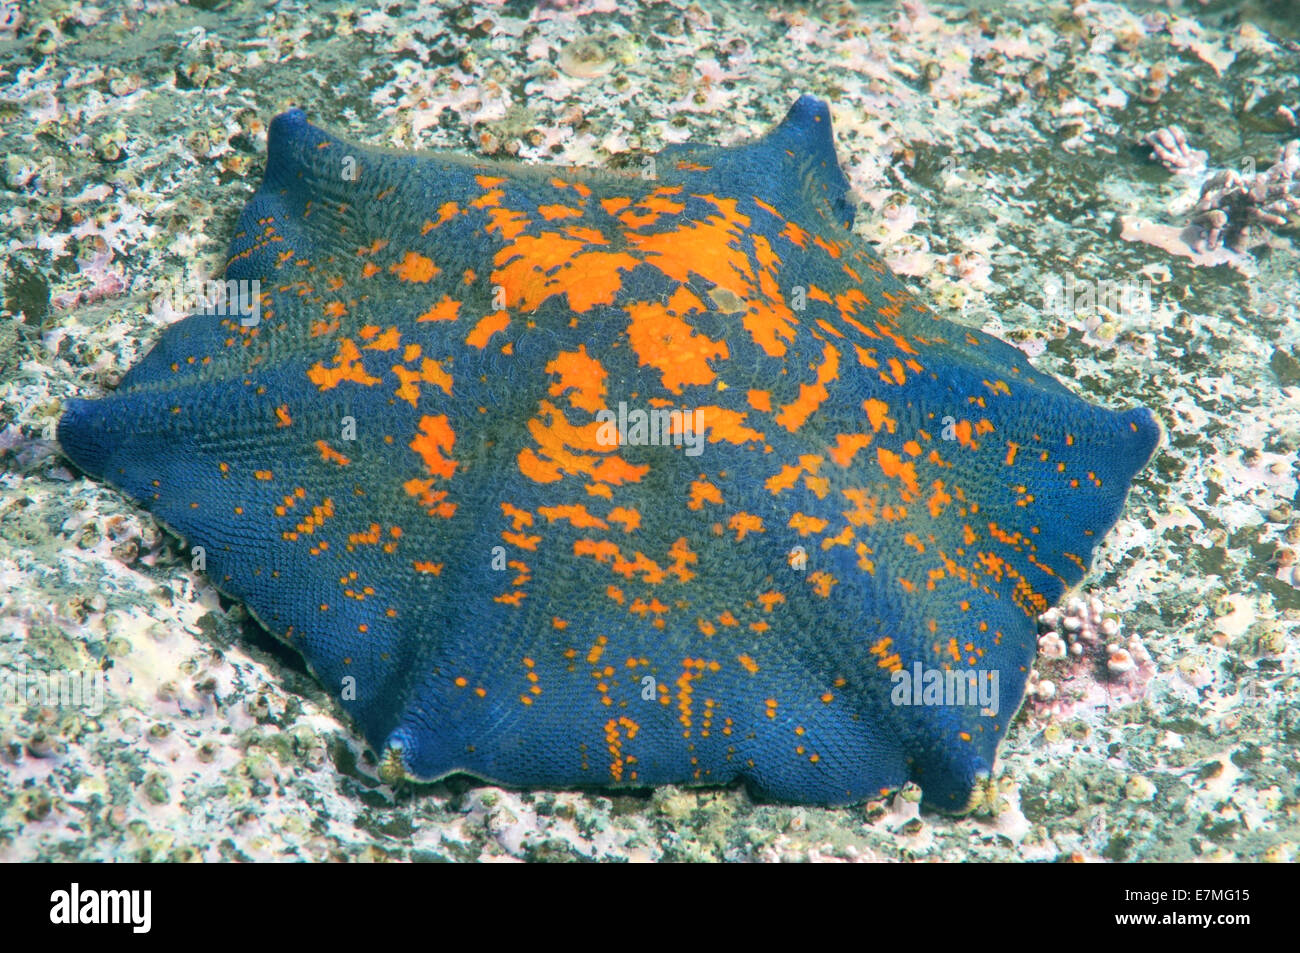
565 477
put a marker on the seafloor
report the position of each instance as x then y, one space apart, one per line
995 149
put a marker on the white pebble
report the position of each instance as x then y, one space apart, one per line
1051 646
1139 788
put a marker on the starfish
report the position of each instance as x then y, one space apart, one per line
566 477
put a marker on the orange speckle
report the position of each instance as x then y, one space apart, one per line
435 436
415 267
348 366
580 374
811 396
445 310
878 414
846 447
702 491
663 340
487 326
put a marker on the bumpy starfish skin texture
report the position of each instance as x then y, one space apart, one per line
563 477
